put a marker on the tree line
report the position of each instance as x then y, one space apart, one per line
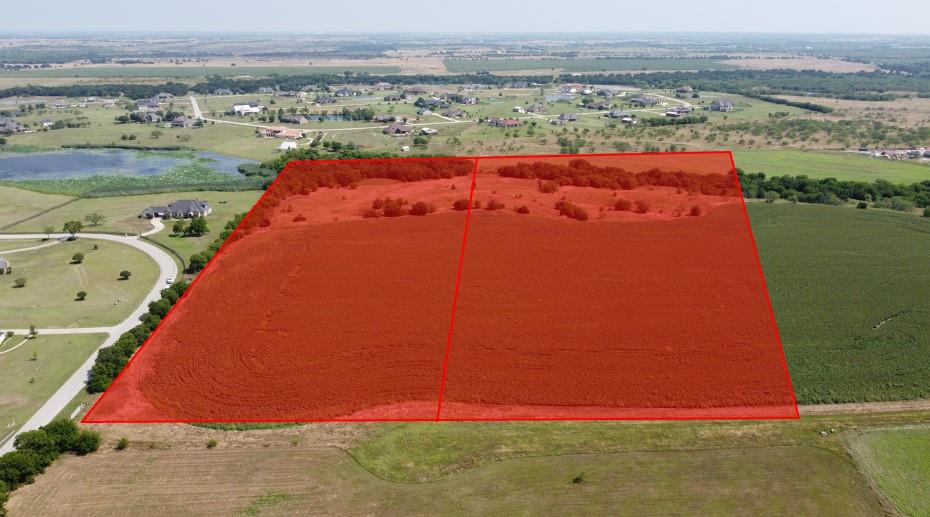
36 450
834 191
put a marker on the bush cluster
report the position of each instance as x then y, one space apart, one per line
494 204
36 450
199 260
833 191
462 204
571 210
396 207
581 173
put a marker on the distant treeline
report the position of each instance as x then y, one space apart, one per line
833 191
133 91
855 86
581 173
810 106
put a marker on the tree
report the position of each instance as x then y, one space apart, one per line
422 208
81 296
771 196
73 227
622 204
197 262
48 230
198 227
695 211
927 211
77 258
20 282
125 274
180 227
32 331
86 443
122 444
95 219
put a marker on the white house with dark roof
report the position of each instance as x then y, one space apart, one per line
180 209
5 267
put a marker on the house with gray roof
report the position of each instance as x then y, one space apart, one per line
5 267
180 209
721 105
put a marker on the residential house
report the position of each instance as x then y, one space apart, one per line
453 113
384 118
180 209
432 104
644 101
721 105
393 98
415 90
181 121
5 267
294 119
568 117
151 118
428 131
251 108
346 92
460 98
164 97
684 89
266 90
47 123
397 130
504 122
281 132
596 105
222 91
324 99
381 86
536 108
287 145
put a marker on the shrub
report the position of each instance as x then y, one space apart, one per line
393 207
695 211
571 210
927 211
212 443
494 204
623 205
460 204
299 218
547 186
77 258
579 479
19 283
421 208
86 443
80 296
125 274
371 213
862 205
122 444
642 207
523 209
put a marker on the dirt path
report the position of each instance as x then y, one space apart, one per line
865 407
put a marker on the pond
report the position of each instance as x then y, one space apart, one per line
80 163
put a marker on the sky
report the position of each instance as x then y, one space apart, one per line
360 16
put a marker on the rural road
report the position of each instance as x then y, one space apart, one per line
167 267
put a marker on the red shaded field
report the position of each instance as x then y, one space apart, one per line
321 308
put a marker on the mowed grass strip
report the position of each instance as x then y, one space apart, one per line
32 372
17 204
898 461
297 480
122 215
849 288
195 71
844 166
52 282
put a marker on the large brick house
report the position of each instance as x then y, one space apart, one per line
180 209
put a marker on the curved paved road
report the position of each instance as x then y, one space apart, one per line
167 267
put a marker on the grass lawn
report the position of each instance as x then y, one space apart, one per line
48 299
57 357
522 468
19 244
17 204
122 212
849 291
898 461
844 166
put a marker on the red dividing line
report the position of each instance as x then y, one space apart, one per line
455 297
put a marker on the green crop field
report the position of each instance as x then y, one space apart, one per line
849 288
898 461
192 71
48 299
844 166
465 66
29 380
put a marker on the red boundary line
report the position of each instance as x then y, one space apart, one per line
477 160
765 288
455 297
